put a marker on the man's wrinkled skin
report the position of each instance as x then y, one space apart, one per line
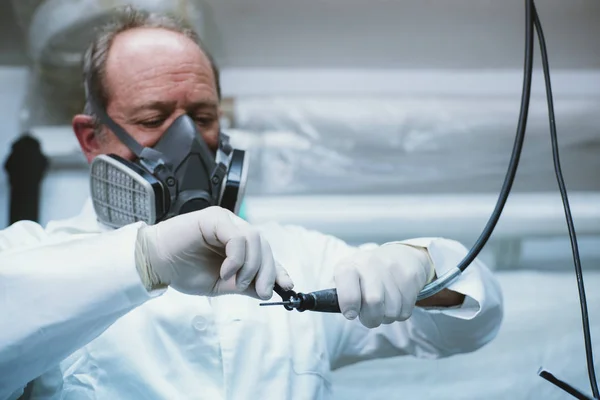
152 77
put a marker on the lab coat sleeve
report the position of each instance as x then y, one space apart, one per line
428 333
57 297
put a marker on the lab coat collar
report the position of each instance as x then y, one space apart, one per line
85 222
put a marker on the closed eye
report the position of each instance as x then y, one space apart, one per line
153 123
204 120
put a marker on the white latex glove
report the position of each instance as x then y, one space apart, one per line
208 252
380 286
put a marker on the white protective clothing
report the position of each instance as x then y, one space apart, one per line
209 252
101 335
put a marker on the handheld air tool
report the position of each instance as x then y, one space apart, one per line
321 301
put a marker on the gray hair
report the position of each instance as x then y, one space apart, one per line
94 59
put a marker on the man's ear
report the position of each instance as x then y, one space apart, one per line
83 126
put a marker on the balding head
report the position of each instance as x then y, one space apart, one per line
157 66
146 70
138 56
126 19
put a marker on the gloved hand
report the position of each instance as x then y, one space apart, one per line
208 252
381 285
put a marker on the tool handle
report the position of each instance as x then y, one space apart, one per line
320 301
284 294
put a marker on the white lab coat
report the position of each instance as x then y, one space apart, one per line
78 316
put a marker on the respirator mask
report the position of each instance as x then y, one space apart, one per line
178 175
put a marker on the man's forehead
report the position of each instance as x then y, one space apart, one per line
153 43
144 53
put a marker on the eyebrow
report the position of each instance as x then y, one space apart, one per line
154 105
204 103
166 106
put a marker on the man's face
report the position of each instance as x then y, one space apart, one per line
153 76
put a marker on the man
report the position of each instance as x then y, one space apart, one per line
85 306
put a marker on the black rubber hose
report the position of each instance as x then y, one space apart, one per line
563 193
518 144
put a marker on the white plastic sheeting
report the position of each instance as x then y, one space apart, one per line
382 218
423 144
541 328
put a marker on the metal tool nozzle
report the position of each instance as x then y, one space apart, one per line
277 303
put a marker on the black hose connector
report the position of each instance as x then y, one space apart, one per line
320 301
